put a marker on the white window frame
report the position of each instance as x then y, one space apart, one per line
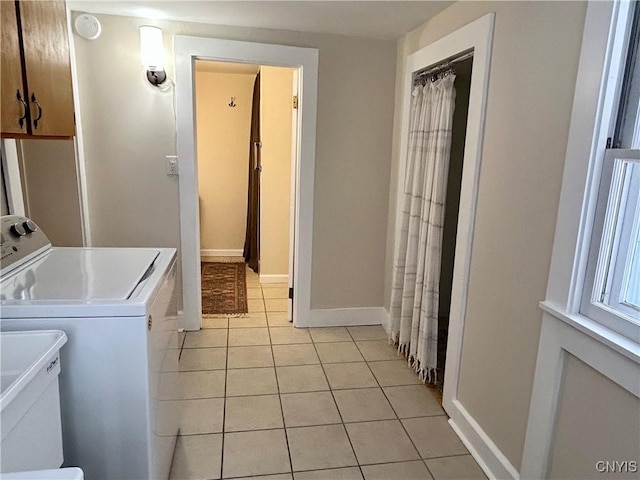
594 113
606 270
604 238
565 331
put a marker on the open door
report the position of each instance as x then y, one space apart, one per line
294 171
252 238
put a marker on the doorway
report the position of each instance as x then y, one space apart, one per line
462 84
187 51
474 37
246 151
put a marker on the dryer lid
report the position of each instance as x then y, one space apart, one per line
82 275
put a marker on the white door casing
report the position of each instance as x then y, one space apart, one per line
12 183
295 154
187 50
476 36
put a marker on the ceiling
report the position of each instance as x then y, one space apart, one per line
376 19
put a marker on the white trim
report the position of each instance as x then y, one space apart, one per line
386 321
187 49
295 154
591 118
211 252
564 329
344 317
557 338
595 330
488 456
477 35
12 181
81 171
282 278
480 446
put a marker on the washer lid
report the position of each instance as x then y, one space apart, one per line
80 275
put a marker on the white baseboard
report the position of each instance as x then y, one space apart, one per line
274 278
181 321
484 451
208 252
386 320
344 317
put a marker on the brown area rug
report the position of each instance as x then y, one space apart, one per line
224 288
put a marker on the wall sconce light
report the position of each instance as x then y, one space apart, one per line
152 54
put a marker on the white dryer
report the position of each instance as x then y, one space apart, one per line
118 387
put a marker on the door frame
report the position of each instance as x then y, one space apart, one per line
11 178
295 149
476 36
186 50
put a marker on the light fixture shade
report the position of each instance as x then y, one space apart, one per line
151 48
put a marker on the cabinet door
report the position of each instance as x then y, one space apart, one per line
12 86
48 68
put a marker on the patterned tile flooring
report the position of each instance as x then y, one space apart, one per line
267 401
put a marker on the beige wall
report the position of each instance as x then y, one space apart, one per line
597 420
276 94
531 85
223 157
128 129
50 182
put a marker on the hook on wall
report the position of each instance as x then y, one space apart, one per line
232 103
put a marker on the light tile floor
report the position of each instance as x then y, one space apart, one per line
266 400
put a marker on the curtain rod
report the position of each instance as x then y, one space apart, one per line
443 65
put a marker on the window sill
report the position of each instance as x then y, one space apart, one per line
598 332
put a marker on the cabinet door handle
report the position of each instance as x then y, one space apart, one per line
35 102
24 109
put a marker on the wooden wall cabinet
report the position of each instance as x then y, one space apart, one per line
37 96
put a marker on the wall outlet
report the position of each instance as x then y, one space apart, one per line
172 164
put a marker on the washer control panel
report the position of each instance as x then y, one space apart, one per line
20 239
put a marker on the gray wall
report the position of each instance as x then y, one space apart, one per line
532 78
50 189
128 129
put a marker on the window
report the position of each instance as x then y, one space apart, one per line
611 292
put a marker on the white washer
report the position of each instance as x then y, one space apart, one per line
119 388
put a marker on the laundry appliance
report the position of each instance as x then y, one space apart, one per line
119 389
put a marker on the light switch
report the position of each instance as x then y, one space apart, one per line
172 164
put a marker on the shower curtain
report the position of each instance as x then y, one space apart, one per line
416 269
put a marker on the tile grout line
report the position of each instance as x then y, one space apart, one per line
336 468
424 460
344 428
342 422
224 403
398 417
400 421
275 370
385 396
427 467
184 339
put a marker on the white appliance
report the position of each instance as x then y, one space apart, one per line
118 390
30 400
72 473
